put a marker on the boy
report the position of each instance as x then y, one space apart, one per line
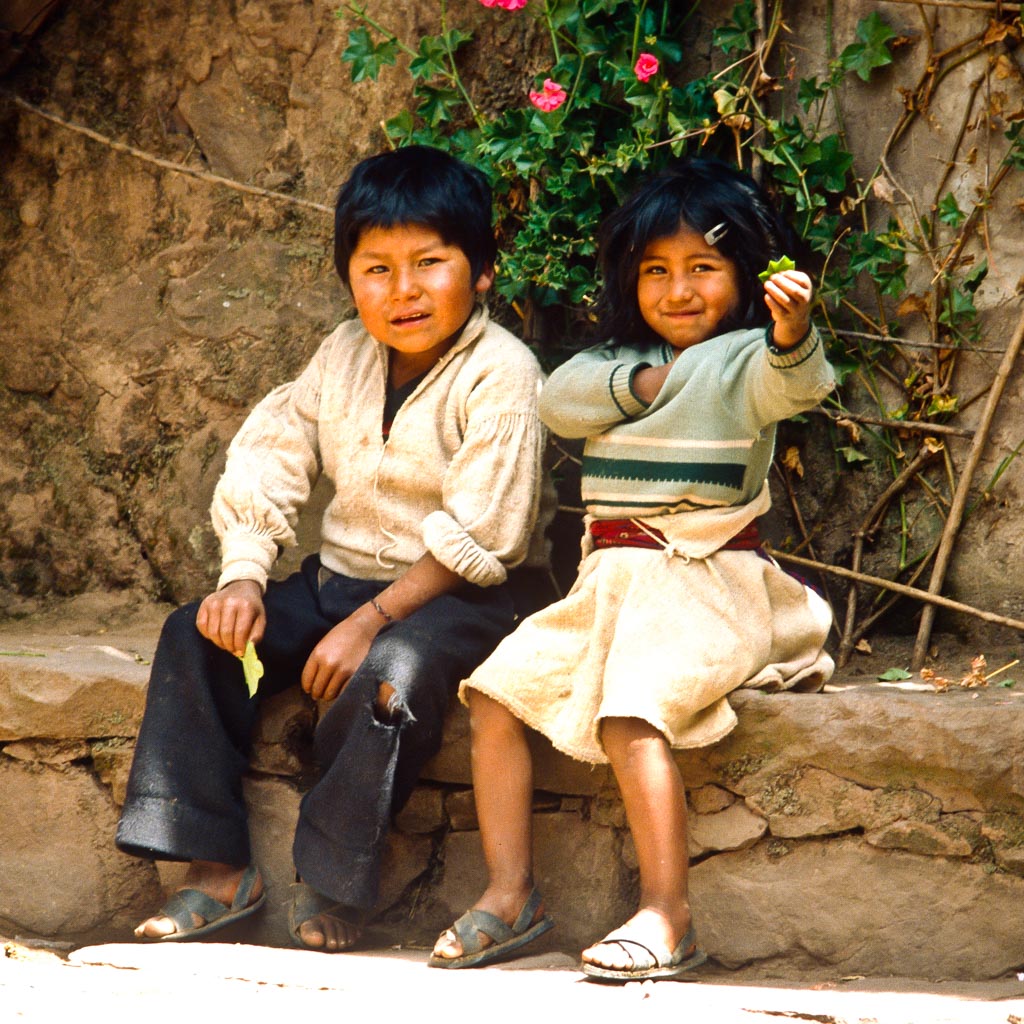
423 414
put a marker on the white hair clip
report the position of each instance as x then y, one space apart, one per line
714 235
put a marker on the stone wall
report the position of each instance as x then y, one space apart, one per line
871 830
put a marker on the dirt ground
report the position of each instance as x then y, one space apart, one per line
117 983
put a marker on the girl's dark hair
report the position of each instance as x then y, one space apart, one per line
698 194
416 185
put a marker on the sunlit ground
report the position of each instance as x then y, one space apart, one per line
229 983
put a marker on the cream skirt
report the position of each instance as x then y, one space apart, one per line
644 634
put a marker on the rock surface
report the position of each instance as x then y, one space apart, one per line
871 829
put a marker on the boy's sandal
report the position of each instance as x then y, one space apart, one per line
474 924
185 903
307 903
650 960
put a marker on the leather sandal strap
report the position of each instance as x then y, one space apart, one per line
186 902
475 923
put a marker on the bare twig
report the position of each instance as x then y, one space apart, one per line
868 622
868 527
956 512
916 425
898 588
167 165
891 340
807 541
969 5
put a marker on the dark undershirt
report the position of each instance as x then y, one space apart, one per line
393 401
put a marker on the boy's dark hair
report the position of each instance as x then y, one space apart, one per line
699 194
416 185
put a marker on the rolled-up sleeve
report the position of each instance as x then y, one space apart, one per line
492 487
591 393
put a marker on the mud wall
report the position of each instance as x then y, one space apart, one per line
143 311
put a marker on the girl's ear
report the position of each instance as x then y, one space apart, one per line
485 280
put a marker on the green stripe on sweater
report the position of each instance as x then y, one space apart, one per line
724 474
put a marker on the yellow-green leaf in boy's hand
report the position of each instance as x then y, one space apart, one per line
252 668
776 267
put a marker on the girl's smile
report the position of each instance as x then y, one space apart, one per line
686 288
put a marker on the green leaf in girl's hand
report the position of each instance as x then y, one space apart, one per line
252 668
776 267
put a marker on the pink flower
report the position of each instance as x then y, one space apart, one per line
507 5
646 66
551 97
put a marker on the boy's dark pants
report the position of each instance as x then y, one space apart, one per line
184 799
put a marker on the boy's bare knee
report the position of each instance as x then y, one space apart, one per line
386 707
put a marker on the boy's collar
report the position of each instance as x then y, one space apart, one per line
471 330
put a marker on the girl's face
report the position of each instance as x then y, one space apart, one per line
686 288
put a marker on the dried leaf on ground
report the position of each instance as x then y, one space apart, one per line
941 683
976 677
852 428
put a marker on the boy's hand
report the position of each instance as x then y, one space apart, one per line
232 616
335 659
788 296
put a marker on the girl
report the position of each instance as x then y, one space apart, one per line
674 605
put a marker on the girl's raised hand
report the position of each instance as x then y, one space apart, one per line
788 296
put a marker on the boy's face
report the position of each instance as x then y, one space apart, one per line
413 292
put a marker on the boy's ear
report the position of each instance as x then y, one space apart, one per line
485 280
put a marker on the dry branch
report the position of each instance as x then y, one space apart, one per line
968 5
868 526
898 588
167 165
956 511
890 339
915 425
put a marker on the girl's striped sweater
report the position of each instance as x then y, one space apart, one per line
707 439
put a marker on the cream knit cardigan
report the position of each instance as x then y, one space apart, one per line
460 476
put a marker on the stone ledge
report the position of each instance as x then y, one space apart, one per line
859 828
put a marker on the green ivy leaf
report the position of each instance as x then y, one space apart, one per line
972 281
433 57
738 33
871 52
402 129
436 104
957 307
949 211
852 454
1015 155
367 57
809 92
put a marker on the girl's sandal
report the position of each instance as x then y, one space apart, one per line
505 940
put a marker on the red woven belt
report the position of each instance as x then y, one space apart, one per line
624 533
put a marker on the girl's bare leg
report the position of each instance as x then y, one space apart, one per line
503 791
655 800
